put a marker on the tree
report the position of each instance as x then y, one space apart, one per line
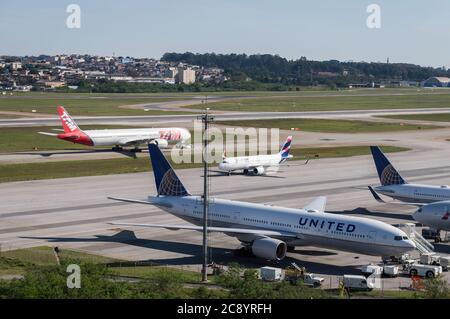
436 288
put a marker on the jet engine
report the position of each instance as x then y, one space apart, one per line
162 143
269 248
258 170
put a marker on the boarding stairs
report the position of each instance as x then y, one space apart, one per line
423 245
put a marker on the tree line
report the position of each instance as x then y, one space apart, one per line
267 68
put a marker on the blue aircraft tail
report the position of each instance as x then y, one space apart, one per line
386 172
167 182
284 152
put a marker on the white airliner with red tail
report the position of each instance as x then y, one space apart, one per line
119 137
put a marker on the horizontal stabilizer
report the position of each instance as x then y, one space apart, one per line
317 205
380 200
261 232
46 133
130 200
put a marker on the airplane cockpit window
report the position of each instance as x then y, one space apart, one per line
405 238
398 237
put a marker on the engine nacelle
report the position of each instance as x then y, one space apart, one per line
162 143
269 248
258 170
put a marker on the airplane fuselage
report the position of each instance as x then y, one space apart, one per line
123 137
347 233
415 193
230 164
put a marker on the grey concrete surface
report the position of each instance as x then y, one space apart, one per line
74 212
151 119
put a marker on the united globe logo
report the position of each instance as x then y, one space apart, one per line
390 176
171 185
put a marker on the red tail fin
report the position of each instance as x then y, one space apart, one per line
68 123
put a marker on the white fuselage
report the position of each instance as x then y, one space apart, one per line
122 137
415 193
347 233
435 215
230 164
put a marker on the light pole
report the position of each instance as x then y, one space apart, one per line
206 119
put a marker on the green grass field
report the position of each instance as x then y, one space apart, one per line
434 117
339 100
330 126
15 262
341 151
66 169
82 104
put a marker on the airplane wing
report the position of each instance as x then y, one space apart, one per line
317 205
136 141
261 232
143 140
46 133
380 200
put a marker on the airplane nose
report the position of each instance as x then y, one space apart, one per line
417 215
410 244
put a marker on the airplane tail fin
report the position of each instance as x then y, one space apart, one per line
284 152
167 181
68 123
386 172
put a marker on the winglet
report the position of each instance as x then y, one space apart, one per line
317 205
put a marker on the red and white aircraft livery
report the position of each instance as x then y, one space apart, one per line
119 137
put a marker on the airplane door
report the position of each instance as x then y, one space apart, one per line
372 235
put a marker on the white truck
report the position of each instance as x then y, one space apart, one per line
271 273
444 262
312 280
372 269
390 270
428 271
429 259
355 282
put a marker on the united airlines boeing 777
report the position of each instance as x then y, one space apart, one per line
269 230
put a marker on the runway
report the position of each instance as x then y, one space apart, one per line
74 212
219 115
420 140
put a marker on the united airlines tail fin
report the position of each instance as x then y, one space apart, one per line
167 182
68 123
284 152
386 172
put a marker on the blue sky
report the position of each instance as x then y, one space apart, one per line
411 30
